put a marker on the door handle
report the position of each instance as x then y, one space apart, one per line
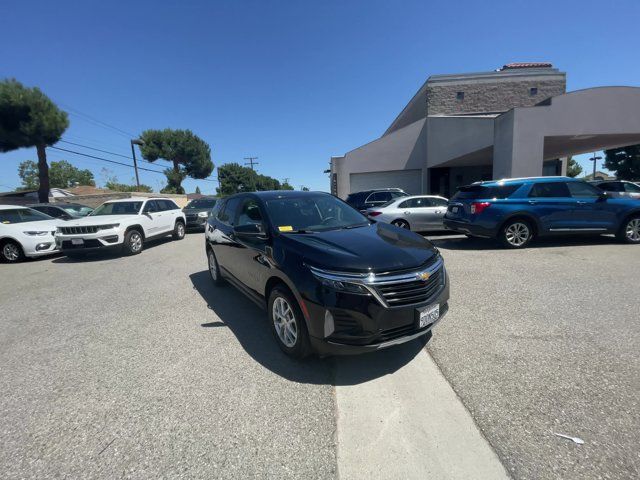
533 202
581 202
407 213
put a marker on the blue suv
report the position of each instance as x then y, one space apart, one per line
516 210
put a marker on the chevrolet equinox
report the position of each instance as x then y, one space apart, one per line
332 281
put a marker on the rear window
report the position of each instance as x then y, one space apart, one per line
485 191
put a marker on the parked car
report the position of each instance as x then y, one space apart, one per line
517 210
373 198
122 224
418 212
619 188
332 281
197 211
25 232
63 211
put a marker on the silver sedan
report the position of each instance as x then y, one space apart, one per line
419 212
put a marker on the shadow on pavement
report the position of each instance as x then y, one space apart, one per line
248 322
461 242
99 255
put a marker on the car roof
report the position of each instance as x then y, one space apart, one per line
134 199
10 207
378 190
272 194
409 197
59 205
507 181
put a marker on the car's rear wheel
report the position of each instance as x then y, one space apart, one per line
133 242
287 323
214 268
630 231
401 223
11 252
178 231
516 234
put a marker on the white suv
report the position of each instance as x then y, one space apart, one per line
25 232
124 224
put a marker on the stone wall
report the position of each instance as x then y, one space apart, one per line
95 200
489 96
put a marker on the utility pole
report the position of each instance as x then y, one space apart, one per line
135 163
251 162
594 159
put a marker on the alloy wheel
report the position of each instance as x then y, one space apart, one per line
285 322
517 234
11 252
401 224
180 230
633 230
135 241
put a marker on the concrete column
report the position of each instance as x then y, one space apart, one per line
518 151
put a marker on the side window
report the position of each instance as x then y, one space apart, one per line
228 211
384 196
167 205
249 213
215 211
439 202
549 190
631 188
407 203
372 198
583 190
151 207
397 194
424 202
9 216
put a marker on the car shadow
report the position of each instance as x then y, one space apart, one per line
109 254
248 322
461 242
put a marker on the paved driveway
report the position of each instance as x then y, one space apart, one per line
547 340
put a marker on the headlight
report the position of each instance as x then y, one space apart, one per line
203 214
58 230
36 233
341 285
109 226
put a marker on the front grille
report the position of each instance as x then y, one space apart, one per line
78 230
410 292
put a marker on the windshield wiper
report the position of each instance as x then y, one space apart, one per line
358 225
300 231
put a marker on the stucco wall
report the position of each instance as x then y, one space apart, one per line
95 200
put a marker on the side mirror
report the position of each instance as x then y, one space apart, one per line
603 196
254 230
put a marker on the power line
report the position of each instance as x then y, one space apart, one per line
95 121
110 153
251 162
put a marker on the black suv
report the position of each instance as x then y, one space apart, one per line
373 198
197 211
332 281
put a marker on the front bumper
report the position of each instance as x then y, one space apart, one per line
39 246
104 239
360 324
194 221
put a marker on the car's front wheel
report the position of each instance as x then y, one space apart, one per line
287 323
214 268
133 242
11 252
630 231
516 234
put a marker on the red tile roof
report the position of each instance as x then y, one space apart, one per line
510 66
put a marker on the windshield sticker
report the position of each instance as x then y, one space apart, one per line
285 228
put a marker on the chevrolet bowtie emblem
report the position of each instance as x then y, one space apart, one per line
424 276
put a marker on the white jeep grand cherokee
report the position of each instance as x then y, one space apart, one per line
124 224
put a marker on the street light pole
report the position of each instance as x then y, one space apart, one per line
594 159
135 162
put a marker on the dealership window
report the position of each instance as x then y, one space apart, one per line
533 91
460 96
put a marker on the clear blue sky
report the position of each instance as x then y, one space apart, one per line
290 82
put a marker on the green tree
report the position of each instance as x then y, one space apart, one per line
304 189
235 178
198 190
61 175
624 161
28 118
121 187
573 168
190 155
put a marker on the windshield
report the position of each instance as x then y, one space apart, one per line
77 210
118 208
202 203
22 215
312 213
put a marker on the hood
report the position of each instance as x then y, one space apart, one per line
95 220
378 247
195 210
39 226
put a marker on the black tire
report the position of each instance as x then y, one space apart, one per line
133 242
300 346
214 268
11 252
179 230
516 233
401 223
630 230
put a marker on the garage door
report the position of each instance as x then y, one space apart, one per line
408 180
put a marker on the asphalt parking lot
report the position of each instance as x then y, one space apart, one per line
138 367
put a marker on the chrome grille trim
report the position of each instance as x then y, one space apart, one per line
410 282
78 230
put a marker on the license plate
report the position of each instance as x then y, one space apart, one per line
454 209
428 316
77 241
